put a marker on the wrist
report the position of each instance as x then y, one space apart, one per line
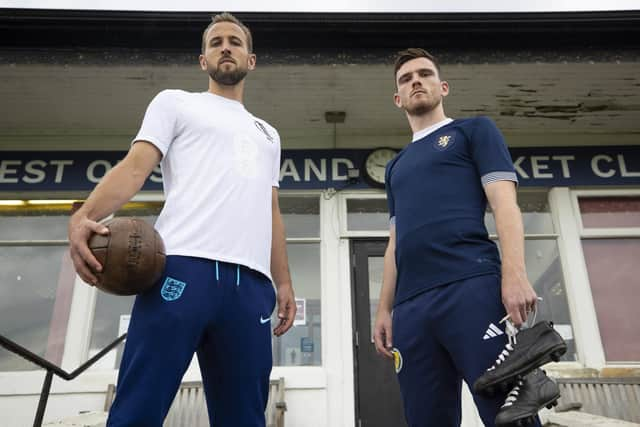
77 217
82 213
284 285
513 271
385 308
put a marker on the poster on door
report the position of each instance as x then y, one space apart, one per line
301 312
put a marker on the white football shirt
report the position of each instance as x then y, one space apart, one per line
219 164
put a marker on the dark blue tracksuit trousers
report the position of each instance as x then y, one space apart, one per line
218 310
445 335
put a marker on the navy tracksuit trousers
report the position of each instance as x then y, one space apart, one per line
443 336
218 310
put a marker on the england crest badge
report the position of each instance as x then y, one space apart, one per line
172 289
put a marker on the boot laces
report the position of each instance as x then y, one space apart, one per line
513 394
511 331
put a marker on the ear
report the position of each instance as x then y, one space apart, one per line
251 61
444 86
203 62
396 100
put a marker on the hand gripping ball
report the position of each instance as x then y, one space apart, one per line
132 256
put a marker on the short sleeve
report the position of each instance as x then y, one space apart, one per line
387 185
275 181
490 154
159 123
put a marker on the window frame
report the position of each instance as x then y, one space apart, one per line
306 240
83 307
555 236
603 232
345 233
79 335
307 194
600 233
343 213
65 308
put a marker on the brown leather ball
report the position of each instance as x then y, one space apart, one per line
132 256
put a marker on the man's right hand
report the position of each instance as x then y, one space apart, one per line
80 230
382 335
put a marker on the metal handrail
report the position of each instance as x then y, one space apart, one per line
34 242
53 369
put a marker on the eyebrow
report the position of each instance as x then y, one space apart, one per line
232 37
419 70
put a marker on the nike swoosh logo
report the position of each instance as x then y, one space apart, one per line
263 321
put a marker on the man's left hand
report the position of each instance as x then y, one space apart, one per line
286 309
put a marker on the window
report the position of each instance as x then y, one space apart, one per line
36 279
542 259
611 244
112 312
367 214
302 345
542 256
609 212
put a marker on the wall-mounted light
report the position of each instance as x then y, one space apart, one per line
50 202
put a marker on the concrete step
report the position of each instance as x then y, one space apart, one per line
550 418
583 419
89 419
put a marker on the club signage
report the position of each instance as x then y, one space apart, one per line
320 169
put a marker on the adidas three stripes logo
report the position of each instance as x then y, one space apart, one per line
492 332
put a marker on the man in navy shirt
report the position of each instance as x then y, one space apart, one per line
443 278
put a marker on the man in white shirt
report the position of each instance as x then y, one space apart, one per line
224 239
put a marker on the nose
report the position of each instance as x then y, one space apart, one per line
225 46
416 83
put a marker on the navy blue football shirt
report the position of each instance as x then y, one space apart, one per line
437 201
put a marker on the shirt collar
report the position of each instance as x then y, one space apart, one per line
426 131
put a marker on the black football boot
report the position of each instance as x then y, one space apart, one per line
527 350
530 394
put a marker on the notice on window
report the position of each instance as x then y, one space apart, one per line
565 331
306 345
301 313
123 326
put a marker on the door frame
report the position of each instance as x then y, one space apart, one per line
360 249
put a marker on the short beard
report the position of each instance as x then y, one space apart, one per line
228 78
423 108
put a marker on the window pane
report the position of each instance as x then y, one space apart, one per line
376 266
545 275
301 216
32 278
544 270
34 222
610 211
110 320
112 311
367 214
614 269
536 215
302 344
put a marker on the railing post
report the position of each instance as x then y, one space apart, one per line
44 396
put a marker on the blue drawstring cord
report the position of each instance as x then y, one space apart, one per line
237 273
